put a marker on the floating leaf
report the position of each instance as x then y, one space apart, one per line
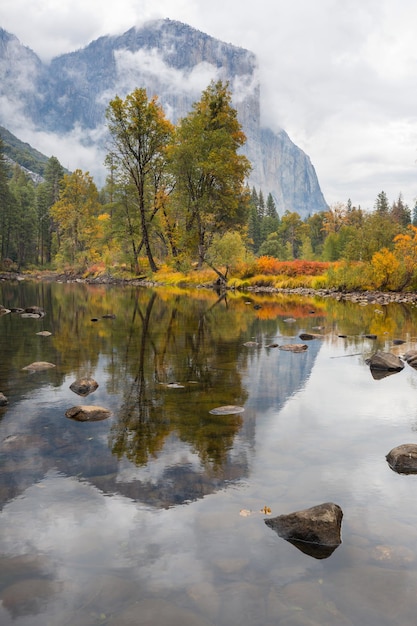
228 409
245 512
266 510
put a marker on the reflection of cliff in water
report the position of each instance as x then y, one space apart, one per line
275 375
175 475
162 446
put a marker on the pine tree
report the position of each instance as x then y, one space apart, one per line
6 207
47 193
400 213
271 209
381 204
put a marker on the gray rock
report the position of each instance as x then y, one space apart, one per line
385 361
315 531
84 386
3 399
403 459
88 413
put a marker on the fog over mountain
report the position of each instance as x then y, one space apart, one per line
59 107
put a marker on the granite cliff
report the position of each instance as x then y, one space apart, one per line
68 97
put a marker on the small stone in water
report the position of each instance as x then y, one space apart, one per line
229 409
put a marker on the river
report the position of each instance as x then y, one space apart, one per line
156 515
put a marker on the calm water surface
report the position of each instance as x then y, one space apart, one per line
154 516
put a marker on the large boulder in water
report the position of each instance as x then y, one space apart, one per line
403 459
385 361
314 531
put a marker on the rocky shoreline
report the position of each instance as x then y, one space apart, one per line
360 297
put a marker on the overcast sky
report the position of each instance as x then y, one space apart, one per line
340 76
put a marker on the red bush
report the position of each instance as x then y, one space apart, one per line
269 265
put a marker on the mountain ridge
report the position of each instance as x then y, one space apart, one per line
67 98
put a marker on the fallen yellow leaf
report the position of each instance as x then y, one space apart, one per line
266 510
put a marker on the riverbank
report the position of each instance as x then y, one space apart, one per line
360 297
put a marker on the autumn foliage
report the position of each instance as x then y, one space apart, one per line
268 266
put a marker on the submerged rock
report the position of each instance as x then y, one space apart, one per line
88 413
314 531
29 596
294 347
37 366
229 409
309 336
84 386
403 459
35 312
3 399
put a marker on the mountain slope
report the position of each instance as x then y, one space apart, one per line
23 154
68 98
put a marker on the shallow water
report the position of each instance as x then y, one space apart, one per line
154 515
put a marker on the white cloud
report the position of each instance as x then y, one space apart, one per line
149 65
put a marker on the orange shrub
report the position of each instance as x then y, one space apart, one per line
269 265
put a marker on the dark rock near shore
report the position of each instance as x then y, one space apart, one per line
3 400
316 531
403 459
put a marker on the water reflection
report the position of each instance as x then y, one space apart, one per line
92 530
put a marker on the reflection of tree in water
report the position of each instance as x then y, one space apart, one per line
140 432
171 342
